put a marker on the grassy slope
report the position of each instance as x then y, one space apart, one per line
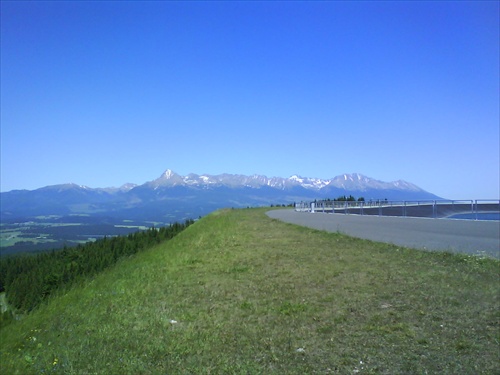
254 295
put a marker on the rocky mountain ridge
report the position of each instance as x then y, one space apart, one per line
173 197
355 181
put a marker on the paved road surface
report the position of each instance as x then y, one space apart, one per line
464 236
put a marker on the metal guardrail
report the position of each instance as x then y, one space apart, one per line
416 208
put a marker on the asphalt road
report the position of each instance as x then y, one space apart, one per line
462 236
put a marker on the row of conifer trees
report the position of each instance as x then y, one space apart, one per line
29 279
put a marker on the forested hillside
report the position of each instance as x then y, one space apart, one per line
29 279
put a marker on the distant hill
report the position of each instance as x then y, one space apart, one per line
175 197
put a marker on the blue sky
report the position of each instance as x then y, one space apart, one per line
104 93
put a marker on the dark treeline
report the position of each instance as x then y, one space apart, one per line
29 279
344 198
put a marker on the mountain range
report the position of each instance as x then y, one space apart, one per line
175 197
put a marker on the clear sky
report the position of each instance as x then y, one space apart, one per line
104 93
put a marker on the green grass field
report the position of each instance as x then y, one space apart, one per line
240 293
9 237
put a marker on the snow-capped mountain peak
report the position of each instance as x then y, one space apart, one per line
167 179
168 174
172 193
296 178
347 182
